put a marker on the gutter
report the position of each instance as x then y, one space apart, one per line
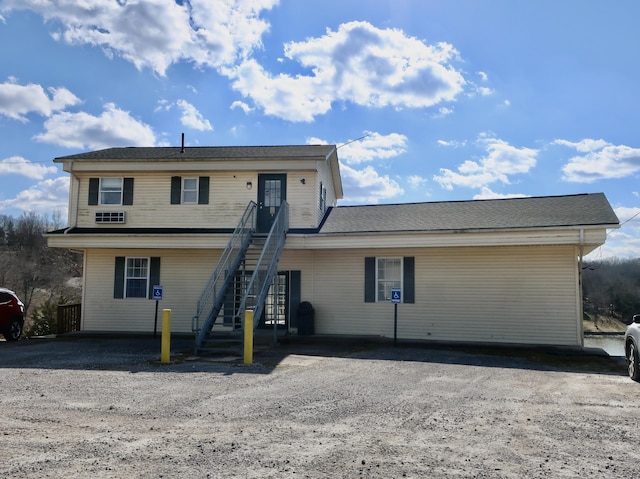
77 199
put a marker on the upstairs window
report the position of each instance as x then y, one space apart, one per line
192 191
110 191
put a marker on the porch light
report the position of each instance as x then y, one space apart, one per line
249 185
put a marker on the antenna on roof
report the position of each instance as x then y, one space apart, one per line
182 149
352 141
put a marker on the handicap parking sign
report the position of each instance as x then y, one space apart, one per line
157 292
396 295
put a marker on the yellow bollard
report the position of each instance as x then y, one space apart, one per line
165 351
248 336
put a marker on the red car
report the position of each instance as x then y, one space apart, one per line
11 315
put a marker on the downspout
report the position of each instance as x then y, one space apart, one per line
580 298
77 199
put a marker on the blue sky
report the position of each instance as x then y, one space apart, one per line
452 100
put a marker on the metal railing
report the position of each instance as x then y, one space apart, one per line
212 295
266 267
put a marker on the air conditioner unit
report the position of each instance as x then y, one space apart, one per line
110 217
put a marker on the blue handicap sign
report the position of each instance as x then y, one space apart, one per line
396 295
157 292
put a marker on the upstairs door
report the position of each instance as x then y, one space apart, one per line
272 191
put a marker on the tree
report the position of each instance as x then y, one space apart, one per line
27 265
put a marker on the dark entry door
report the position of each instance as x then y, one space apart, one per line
272 191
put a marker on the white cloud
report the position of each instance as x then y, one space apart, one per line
487 194
583 146
192 118
16 101
373 146
599 160
18 165
625 241
242 105
416 181
44 197
452 143
367 186
114 127
360 64
156 34
500 163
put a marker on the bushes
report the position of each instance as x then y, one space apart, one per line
44 319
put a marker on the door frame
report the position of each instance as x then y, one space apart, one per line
266 214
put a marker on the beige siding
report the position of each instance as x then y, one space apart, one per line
228 198
324 177
182 275
512 295
491 294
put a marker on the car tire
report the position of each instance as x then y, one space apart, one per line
14 331
633 362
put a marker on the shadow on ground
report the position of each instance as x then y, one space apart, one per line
140 353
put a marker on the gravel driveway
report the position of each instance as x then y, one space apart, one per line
106 408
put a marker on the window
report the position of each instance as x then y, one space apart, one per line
110 191
323 198
389 276
190 190
136 276
383 274
272 193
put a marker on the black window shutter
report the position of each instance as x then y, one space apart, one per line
176 189
94 188
409 282
203 190
295 295
370 279
118 283
127 192
154 274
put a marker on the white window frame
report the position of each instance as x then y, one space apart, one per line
104 190
389 283
193 191
127 277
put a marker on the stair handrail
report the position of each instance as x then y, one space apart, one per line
234 250
267 264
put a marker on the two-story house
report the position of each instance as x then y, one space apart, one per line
225 229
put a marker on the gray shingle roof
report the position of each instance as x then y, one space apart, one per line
513 213
204 153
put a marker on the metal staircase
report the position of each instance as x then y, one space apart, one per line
240 281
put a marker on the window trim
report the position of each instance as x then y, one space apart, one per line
195 191
101 191
401 276
125 294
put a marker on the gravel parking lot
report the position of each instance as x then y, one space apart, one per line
105 407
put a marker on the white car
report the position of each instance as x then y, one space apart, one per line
631 348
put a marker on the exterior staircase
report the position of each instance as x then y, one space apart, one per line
240 281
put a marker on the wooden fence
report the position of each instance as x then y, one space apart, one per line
69 316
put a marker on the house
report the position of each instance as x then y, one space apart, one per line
225 229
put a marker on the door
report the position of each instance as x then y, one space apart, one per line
272 191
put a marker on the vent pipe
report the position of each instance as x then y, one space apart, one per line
182 149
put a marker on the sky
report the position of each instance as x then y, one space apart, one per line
428 100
